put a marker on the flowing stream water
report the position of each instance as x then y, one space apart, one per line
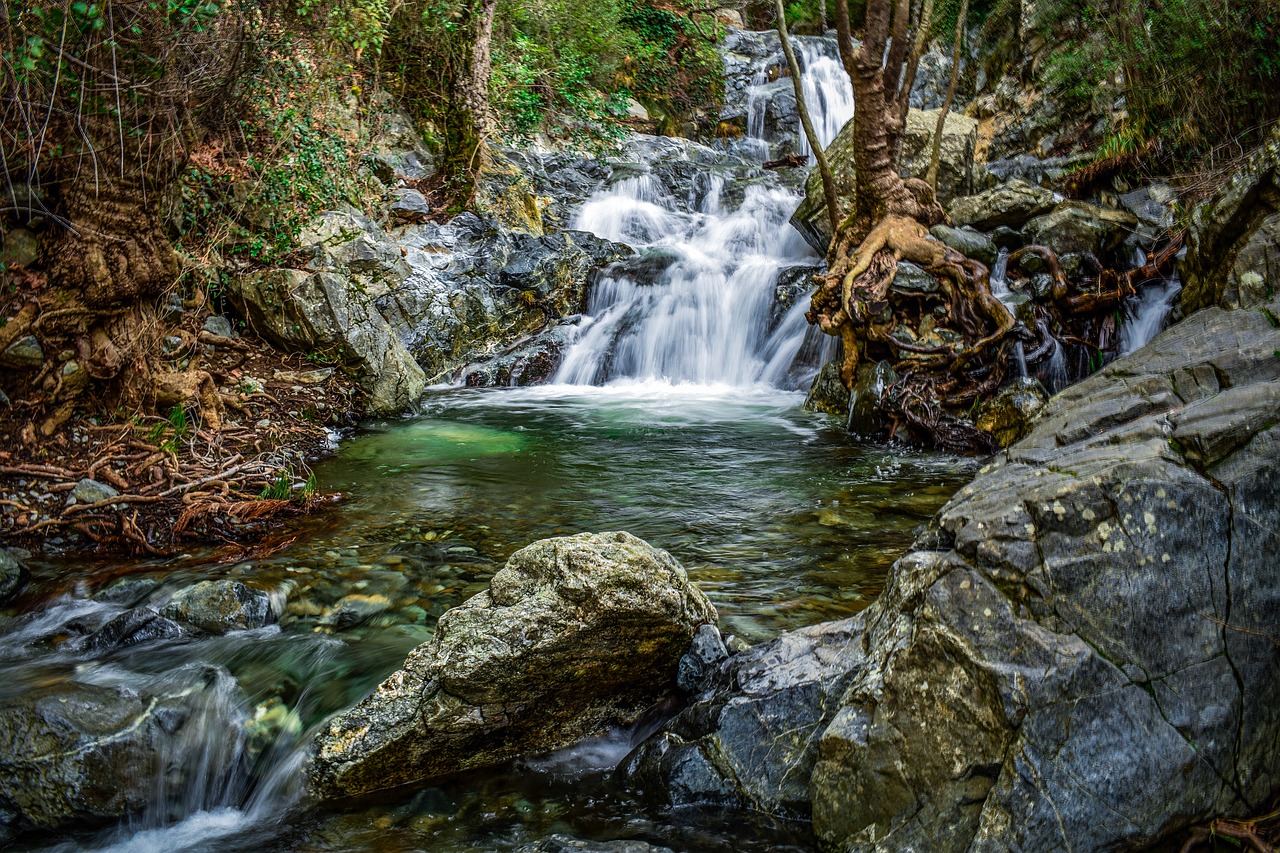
676 416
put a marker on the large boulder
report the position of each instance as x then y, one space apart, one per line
1009 205
1233 244
1079 653
76 753
325 314
955 171
574 635
1075 227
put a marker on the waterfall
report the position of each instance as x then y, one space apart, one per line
1146 314
827 91
999 279
700 302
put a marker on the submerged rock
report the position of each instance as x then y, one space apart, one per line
1079 653
77 753
574 635
568 844
216 607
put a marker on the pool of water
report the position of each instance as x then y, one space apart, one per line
779 516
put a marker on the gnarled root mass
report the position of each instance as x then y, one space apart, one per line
951 343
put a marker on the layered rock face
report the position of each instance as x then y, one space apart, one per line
1080 654
574 635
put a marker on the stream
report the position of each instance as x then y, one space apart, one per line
676 415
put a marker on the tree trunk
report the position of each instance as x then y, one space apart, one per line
466 116
931 177
815 144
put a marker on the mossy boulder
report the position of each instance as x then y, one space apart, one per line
574 635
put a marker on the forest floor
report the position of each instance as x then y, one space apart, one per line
147 484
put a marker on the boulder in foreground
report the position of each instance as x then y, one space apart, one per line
574 635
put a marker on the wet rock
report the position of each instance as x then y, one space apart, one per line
13 577
575 634
955 176
127 591
1008 415
872 382
89 491
750 740
1030 169
74 753
1079 227
1009 205
705 653
970 243
1233 244
217 607
1041 666
530 362
828 394
141 625
219 326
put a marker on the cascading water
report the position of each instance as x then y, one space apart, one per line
827 90
700 303
708 314
1147 312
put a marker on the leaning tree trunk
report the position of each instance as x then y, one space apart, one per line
815 144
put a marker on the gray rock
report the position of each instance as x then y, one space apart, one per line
217 607
89 491
141 625
25 353
529 362
1153 205
575 634
73 753
221 326
909 278
1233 243
1079 651
828 394
325 313
955 175
13 577
705 653
970 243
1009 205
408 205
1078 227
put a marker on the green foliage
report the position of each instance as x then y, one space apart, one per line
1195 74
567 68
357 26
177 426
281 488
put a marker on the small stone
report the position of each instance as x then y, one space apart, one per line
354 610
220 326
89 491
216 607
21 248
